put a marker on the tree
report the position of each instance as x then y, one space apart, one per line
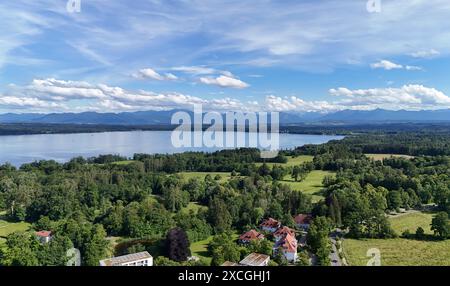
177 244
219 215
95 247
440 225
420 233
222 248
20 250
175 199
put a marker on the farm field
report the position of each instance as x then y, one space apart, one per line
399 252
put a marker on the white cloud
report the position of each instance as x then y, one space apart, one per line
28 103
196 70
388 65
149 73
426 54
413 68
411 97
225 81
57 95
385 64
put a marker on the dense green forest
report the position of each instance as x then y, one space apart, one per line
85 201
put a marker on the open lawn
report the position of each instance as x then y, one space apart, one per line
200 248
399 252
411 222
127 162
201 175
195 207
311 185
380 157
292 161
7 228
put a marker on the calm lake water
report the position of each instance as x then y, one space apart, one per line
18 150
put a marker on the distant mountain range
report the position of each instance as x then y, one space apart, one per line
286 118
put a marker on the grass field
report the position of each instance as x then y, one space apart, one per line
127 162
200 248
194 207
399 252
201 175
311 185
380 157
292 161
7 228
411 222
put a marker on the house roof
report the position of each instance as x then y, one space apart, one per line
120 260
229 263
303 219
284 231
251 235
270 222
255 259
288 243
44 233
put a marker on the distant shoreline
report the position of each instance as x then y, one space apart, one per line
330 128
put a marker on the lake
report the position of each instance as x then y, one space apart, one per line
21 149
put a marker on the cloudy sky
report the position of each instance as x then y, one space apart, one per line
290 55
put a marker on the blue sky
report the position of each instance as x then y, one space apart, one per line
290 55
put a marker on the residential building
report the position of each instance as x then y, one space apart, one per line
282 232
288 245
270 225
249 236
303 221
44 236
135 259
256 259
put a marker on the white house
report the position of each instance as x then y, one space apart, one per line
135 259
288 245
44 236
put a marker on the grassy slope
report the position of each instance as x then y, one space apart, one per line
200 248
379 157
201 175
292 161
400 251
411 222
7 228
311 185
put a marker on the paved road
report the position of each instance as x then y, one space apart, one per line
334 255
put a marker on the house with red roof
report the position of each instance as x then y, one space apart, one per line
44 236
303 221
249 236
270 225
282 232
288 245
